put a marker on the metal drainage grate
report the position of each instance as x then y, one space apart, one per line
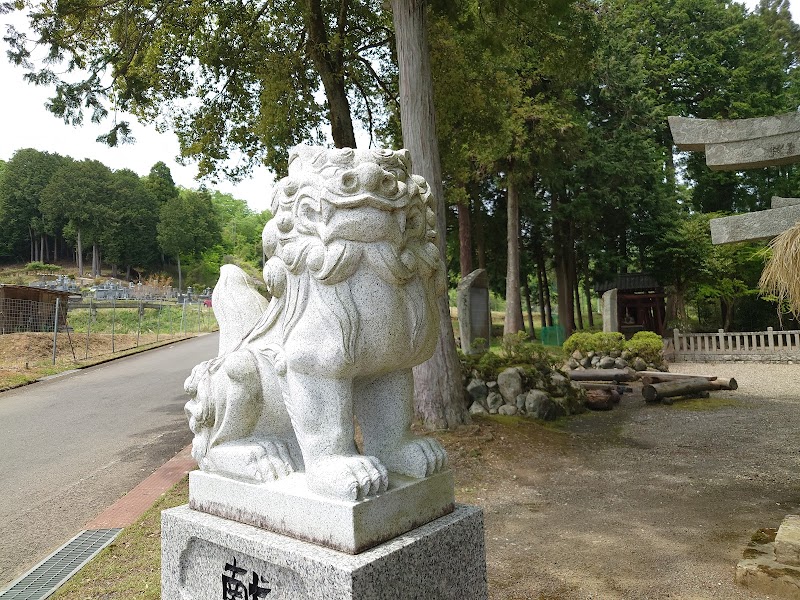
46 577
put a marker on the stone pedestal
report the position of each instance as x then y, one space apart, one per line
773 567
288 507
205 556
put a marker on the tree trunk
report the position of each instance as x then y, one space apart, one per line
180 277
128 273
540 285
562 254
439 395
578 310
95 261
80 253
480 239
33 244
588 293
464 239
527 287
513 322
329 62
56 241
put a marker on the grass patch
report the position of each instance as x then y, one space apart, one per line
130 567
706 404
15 378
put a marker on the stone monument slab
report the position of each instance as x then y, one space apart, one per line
288 507
474 312
204 556
610 311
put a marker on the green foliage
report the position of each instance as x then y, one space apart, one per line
515 351
38 266
647 345
600 342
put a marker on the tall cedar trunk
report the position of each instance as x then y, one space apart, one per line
42 255
46 252
56 242
438 392
548 301
527 287
513 322
180 276
578 311
329 63
540 285
128 273
79 253
480 238
588 293
562 256
33 244
465 238
94 261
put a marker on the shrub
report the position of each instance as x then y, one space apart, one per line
580 340
600 342
605 343
40 266
647 345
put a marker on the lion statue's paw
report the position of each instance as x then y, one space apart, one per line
417 457
255 460
347 477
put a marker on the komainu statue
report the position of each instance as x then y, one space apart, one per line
354 273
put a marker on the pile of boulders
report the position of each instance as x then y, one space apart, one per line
519 392
615 359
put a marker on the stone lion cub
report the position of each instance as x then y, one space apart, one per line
354 273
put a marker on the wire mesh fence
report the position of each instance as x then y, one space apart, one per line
31 335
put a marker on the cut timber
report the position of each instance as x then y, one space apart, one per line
608 387
685 387
661 376
602 375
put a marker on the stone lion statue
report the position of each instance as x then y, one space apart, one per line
354 273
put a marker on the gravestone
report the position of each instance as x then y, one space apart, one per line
285 505
474 312
610 311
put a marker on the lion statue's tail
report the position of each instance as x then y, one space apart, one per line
237 306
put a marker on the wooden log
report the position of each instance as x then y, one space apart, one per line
724 384
657 391
601 375
608 387
662 376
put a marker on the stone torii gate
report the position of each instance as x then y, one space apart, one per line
740 145
736 146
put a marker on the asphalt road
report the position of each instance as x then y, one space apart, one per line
73 445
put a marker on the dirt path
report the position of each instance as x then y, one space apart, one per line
644 502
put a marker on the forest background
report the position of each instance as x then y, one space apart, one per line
558 166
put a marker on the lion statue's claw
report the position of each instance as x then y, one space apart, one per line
348 477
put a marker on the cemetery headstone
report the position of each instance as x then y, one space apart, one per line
474 313
284 504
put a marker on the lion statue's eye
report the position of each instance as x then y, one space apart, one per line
349 182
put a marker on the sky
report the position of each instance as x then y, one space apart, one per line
26 123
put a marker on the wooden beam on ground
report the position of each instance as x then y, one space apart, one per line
658 391
601 375
666 376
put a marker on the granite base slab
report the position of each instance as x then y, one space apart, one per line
205 557
287 507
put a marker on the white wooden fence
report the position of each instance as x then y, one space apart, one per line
757 346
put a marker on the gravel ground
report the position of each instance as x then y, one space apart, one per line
643 502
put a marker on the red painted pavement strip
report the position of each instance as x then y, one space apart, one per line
132 505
